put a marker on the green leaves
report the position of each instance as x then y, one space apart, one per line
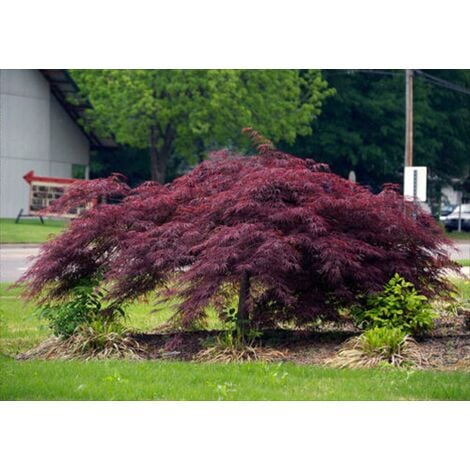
204 109
362 127
398 306
384 340
85 306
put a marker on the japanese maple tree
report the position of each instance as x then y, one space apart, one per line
293 240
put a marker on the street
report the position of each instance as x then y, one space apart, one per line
15 259
461 251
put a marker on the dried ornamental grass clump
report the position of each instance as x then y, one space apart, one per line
379 346
294 241
87 343
247 353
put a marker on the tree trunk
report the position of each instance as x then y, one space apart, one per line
242 312
159 157
155 173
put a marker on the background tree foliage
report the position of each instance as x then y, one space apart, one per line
362 127
187 112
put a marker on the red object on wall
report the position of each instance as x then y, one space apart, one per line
30 177
44 190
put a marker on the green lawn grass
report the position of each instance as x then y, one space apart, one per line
463 288
21 329
459 236
29 230
158 380
464 262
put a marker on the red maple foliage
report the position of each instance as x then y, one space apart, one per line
294 240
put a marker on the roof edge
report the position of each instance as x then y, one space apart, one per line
62 86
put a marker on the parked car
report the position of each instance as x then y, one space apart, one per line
446 210
451 221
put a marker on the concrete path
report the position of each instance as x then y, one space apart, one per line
15 259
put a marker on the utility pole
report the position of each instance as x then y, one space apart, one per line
409 119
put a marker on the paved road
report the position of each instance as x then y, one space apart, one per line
14 259
462 251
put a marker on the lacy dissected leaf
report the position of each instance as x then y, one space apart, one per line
310 241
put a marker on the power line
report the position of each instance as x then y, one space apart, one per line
379 72
443 83
432 79
369 71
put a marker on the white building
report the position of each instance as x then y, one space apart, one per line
39 131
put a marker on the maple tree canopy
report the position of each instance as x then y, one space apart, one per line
299 241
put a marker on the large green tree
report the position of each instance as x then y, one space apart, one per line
362 127
187 112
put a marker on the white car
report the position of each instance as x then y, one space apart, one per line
451 221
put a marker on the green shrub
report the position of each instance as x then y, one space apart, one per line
85 306
232 336
399 305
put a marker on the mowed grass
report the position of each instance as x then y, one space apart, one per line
463 288
157 380
458 236
21 329
29 230
464 262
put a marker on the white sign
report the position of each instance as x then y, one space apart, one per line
415 187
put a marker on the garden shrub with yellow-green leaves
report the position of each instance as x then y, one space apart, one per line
85 306
399 305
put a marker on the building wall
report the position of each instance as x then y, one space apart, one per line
68 145
35 134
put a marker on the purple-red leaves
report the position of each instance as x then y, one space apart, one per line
310 241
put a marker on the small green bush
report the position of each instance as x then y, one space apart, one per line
85 306
399 305
232 336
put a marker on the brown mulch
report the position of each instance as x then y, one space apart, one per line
447 352
446 348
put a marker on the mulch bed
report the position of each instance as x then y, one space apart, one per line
446 348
